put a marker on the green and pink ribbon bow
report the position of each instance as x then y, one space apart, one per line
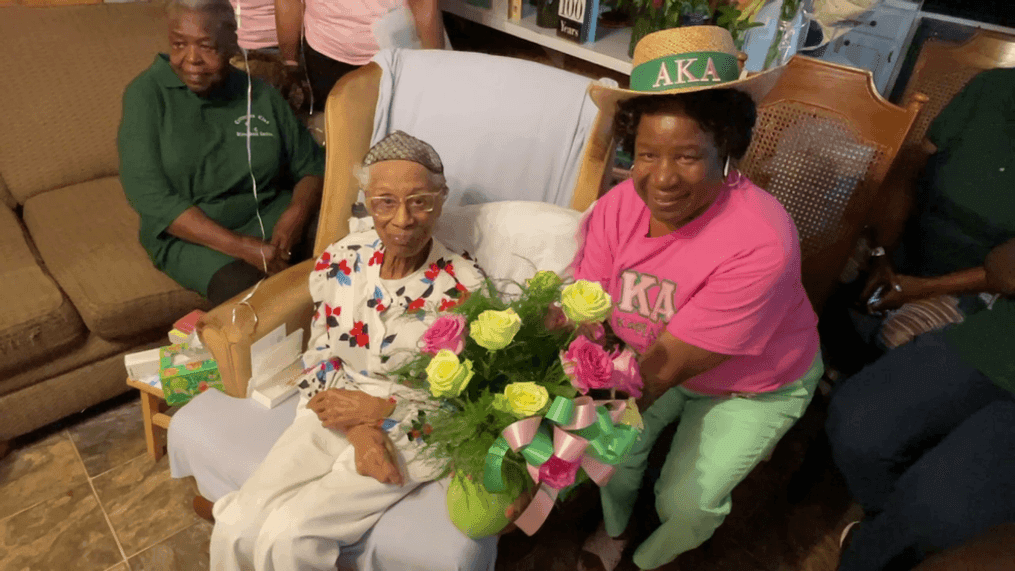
585 435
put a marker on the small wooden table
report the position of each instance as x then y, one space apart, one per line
156 421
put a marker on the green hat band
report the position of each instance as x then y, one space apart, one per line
693 69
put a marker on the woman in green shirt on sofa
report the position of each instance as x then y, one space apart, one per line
202 191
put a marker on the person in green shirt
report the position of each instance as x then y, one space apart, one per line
227 188
925 436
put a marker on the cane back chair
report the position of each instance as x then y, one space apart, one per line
823 143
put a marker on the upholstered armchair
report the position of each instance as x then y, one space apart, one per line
506 130
352 126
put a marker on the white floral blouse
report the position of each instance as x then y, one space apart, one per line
366 325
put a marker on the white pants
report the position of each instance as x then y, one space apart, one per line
303 502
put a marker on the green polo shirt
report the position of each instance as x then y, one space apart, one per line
966 199
178 150
986 340
967 208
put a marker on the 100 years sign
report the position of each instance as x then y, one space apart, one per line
578 20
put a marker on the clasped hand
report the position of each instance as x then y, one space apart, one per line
357 415
273 256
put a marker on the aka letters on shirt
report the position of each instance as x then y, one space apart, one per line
727 282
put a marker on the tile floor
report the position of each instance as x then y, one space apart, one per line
83 495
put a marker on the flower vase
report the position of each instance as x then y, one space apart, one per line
546 13
475 511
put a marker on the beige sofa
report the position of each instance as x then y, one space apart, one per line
77 292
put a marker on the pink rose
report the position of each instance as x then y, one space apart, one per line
626 373
448 332
558 473
587 365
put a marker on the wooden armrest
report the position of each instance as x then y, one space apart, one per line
282 298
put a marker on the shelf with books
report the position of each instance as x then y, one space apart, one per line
609 50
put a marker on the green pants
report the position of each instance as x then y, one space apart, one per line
718 442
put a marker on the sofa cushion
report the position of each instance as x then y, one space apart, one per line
56 397
5 195
90 349
35 317
87 236
64 73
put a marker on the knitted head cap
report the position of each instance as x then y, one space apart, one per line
400 146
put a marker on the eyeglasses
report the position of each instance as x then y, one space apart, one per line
415 204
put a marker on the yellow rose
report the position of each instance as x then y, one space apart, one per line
526 399
495 329
585 301
446 375
544 279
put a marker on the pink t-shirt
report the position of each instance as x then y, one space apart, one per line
343 29
255 26
728 282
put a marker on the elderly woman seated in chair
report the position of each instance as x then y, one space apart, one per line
226 186
347 457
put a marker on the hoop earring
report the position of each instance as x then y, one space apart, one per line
726 169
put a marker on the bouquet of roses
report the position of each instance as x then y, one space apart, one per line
529 398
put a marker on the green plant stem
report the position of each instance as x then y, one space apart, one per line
787 12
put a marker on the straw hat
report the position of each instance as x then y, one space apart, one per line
682 60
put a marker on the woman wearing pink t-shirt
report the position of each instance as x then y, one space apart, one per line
338 35
255 24
704 270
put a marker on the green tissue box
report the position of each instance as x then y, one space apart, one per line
185 372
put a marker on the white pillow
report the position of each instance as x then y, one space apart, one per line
512 240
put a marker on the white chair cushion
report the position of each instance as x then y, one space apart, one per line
512 240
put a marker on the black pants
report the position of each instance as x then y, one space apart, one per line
237 276
926 444
323 72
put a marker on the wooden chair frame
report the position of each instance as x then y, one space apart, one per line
943 68
838 92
